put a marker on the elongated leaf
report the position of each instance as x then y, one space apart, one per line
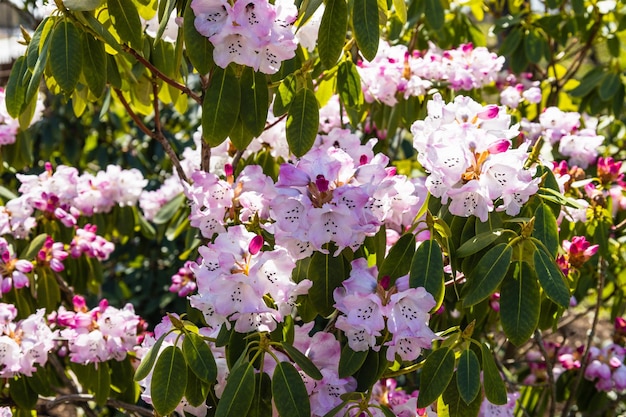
198 47
372 370
349 84
239 392
147 362
196 390
262 402
401 10
436 375
220 106
303 122
94 65
169 380
48 291
365 26
254 101
284 96
16 89
327 273
22 393
398 261
65 63
290 394
546 228
519 297
468 376
126 21
609 86
101 386
40 383
167 212
102 32
589 81
551 278
534 46
488 274
350 361
435 14
332 32
495 390
199 357
40 66
478 243
427 269
451 404
35 44
303 361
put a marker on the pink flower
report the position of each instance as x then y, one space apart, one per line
579 250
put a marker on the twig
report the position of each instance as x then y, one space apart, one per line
590 336
205 159
158 136
236 159
60 371
159 74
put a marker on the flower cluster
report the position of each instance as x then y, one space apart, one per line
514 91
99 334
467 151
606 367
395 70
12 270
577 251
368 308
87 242
255 33
25 343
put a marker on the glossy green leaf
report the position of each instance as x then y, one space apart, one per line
494 387
290 394
220 106
23 395
365 27
262 404
94 65
169 380
196 391
478 243
199 357
302 122
238 393
239 136
451 404
349 84
468 376
546 228
488 274
126 21
254 101
350 361
101 385
302 361
372 370
167 212
435 14
284 96
609 86
16 90
102 31
551 278
588 82
401 10
327 273
198 48
332 32
48 291
427 269
511 41
122 373
37 73
35 44
398 261
520 300
534 45
65 63
147 362
518 59
436 375
164 58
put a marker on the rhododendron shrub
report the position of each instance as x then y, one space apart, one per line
364 210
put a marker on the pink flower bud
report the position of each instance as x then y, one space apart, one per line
256 244
228 170
500 146
489 112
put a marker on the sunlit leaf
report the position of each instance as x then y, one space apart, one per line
332 32
488 274
303 122
169 380
220 106
365 26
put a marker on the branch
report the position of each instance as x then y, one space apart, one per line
160 75
84 398
158 136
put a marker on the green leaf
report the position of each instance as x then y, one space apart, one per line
169 380
349 84
101 385
48 291
199 357
147 362
468 376
34 247
327 273
35 79
22 393
478 243
398 261
435 14
436 375
534 46
284 96
488 274
427 269
94 65
238 393
40 383
167 212
262 402
126 21
511 41
551 278
254 101
303 122
35 44
520 301
302 361
372 370
290 394
332 32
495 390
16 90
196 391
102 31
365 27
401 10
65 63
609 86
452 404
220 106
351 361
546 228
588 82
198 47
